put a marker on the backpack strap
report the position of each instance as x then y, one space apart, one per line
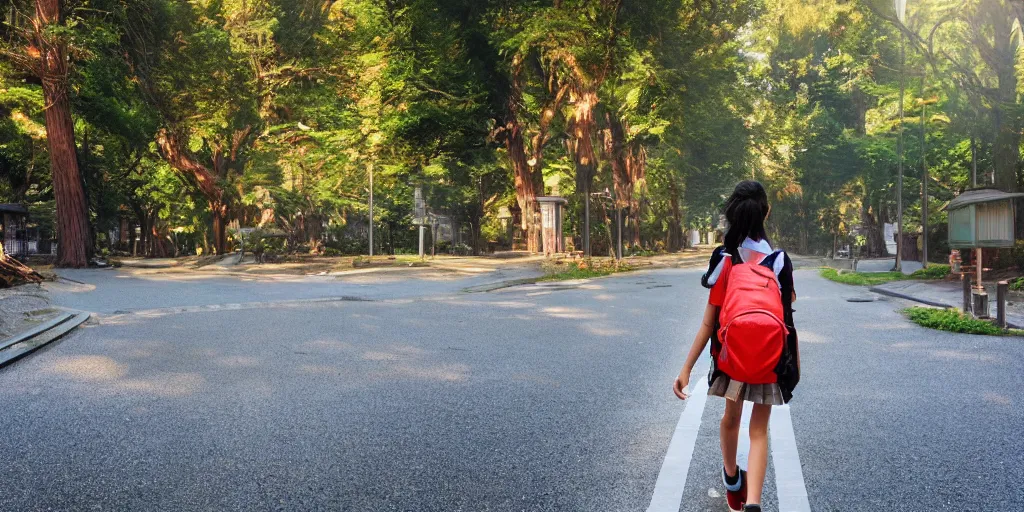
715 267
775 261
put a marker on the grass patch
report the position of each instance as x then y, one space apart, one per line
877 278
586 270
1017 284
954 320
861 278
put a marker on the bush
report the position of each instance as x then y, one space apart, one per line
932 272
951 320
332 252
1017 284
638 250
587 269
1018 255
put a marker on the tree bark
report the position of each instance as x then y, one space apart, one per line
1002 59
582 150
614 152
1007 125
220 219
676 240
874 231
636 167
525 183
72 220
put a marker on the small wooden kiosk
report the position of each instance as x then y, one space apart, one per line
552 210
979 219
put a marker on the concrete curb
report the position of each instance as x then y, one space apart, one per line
890 293
35 331
39 336
490 287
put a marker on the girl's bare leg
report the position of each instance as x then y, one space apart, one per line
729 434
757 462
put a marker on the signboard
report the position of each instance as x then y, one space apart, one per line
419 207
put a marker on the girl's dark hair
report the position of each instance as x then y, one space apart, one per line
745 212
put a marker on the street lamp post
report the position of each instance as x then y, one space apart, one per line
901 14
371 209
899 163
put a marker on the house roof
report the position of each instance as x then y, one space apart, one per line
980 195
13 208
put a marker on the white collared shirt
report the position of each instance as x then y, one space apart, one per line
749 247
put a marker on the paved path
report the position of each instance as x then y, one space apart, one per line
886 265
532 398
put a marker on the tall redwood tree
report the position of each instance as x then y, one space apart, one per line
52 69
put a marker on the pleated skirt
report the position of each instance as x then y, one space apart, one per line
768 394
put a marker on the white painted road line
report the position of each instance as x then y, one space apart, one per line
789 474
668 491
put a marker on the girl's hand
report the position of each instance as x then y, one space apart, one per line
681 386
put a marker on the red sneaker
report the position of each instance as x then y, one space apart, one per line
736 494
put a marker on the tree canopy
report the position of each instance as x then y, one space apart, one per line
195 118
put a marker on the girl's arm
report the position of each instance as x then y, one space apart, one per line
680 387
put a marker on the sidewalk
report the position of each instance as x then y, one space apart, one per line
950 294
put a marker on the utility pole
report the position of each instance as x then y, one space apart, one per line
618 231
924 176
371 209
899 164
421 215
901 14
974 184
586 219
974 164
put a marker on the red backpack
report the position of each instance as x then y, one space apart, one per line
752 332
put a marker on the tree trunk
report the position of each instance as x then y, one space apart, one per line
582 150
614 153
220 220
72 221
525 182
1007 125
159 251
145 235
874 229
1002 58
173 149
636 167
803 243
676 240
314 233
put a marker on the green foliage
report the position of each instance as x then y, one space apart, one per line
877 278
861 278
932 272
1018 255
954 320
289 105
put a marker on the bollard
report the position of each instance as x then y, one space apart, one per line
966 281
1001 290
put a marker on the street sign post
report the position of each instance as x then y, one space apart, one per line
420 216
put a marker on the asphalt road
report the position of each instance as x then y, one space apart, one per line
325 394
